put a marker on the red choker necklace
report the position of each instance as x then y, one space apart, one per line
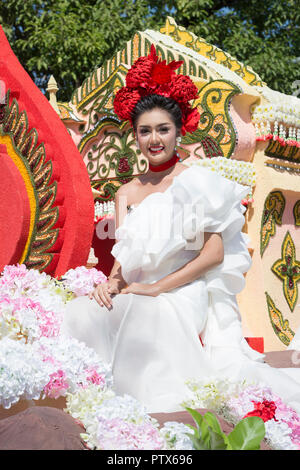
165 165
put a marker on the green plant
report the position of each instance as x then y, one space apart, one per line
208 435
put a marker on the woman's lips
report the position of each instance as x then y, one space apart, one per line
156 150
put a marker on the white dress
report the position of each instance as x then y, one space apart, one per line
153 343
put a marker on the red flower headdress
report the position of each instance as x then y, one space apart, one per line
149 75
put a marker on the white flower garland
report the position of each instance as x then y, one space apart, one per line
278 119
235 170
103 209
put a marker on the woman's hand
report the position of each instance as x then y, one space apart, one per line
102 293
142 289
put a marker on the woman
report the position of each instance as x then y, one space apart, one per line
180 257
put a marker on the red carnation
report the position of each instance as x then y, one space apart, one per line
140 73
183 89
125 101
150 75
190 120
264 410
161 73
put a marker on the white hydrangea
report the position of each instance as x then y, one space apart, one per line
22 373
175 436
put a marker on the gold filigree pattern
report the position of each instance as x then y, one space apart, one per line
272 215
216 130
279 324
287 269
199 45
296 212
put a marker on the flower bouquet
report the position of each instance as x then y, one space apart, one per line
38 365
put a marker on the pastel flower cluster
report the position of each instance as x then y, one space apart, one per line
49 367
236 400
71 366
31 304
117 434
81 280
121 422
22 372
35 359
113 422
176 436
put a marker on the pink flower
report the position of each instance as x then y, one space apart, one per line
122 435
94 377
57 386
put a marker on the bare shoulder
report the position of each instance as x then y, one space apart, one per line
127 190
180 167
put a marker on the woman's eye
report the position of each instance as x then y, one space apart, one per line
164 129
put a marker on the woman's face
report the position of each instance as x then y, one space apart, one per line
156 135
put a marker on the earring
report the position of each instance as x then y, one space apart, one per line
178 140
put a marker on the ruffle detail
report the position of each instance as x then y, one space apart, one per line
161 228
144 242
223 213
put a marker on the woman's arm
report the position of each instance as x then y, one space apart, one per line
115 276
210 256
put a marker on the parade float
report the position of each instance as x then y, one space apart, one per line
61 165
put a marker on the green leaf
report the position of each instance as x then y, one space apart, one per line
213 422
197 443
208 434
247 434
201 426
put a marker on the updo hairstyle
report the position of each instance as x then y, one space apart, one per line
150 102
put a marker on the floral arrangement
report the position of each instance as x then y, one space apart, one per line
150 75
237 400
36 361
113 422
277 119
104 210
235 170
81 280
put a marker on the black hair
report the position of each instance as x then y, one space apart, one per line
150 102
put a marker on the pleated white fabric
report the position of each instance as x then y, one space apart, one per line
153 342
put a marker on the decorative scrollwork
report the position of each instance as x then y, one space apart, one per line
287 269
280 325
272 215
216 130
296 212
115 152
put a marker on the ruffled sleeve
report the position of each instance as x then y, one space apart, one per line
223 213
156 237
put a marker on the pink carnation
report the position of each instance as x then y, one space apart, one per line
94 377
57 385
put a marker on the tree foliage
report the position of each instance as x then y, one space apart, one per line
262 34
70 38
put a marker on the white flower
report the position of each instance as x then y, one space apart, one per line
175 435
